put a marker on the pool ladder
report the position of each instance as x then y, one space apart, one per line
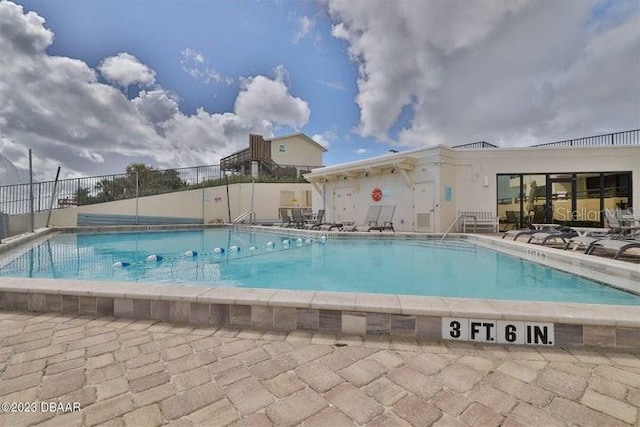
475 222
250 215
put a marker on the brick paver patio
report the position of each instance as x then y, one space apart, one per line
123 372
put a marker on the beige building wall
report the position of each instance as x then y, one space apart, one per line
267 199
296 149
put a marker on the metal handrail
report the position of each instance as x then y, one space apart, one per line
250 214
475 224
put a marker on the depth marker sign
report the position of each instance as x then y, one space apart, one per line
497 331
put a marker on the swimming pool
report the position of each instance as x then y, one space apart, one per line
428 267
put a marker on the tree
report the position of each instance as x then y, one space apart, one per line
83 197
148 179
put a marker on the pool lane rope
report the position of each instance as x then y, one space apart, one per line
218 251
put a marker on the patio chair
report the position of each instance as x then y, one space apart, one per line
620 246
512 220
370 220
385 219
328 226
544 237
586 241
526 232
298 219
286 219
307 214
538 218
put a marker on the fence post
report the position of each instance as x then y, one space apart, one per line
32 214
203 200
137 221
53 195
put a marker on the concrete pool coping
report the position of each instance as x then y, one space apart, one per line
575 324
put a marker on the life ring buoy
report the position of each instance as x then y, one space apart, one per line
376 194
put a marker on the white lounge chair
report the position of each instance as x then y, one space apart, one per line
617 245
370 220
585 241
385 220
544 237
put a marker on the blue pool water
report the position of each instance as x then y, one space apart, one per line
453 268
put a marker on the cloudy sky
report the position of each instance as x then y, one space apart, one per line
93 86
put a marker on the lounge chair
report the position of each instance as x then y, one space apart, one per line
618 245
544 237
519 232
328 226
298 219
370 220
385 220
286 219
586 241
538 218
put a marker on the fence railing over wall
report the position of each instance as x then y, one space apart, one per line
478 144
15 199
628 137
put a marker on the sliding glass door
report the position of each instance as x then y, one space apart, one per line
577 198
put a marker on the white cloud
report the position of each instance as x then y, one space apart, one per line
282 74
326 138
56 106
156 106
499 71
264 99
333 85
361 151
125 69
9 172
196 65
23 32
305 27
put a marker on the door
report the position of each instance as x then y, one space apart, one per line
561 199
344 205
423 207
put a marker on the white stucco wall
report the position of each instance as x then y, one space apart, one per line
464 171
490 162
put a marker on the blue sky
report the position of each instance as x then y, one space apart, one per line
182 83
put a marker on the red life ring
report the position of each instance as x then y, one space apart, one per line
376 194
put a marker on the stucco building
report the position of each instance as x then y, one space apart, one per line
569 182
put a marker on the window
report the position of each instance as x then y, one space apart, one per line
577 198
288 198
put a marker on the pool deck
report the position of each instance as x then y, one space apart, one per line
426 318
127 372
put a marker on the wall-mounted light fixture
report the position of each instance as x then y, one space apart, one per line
486 181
